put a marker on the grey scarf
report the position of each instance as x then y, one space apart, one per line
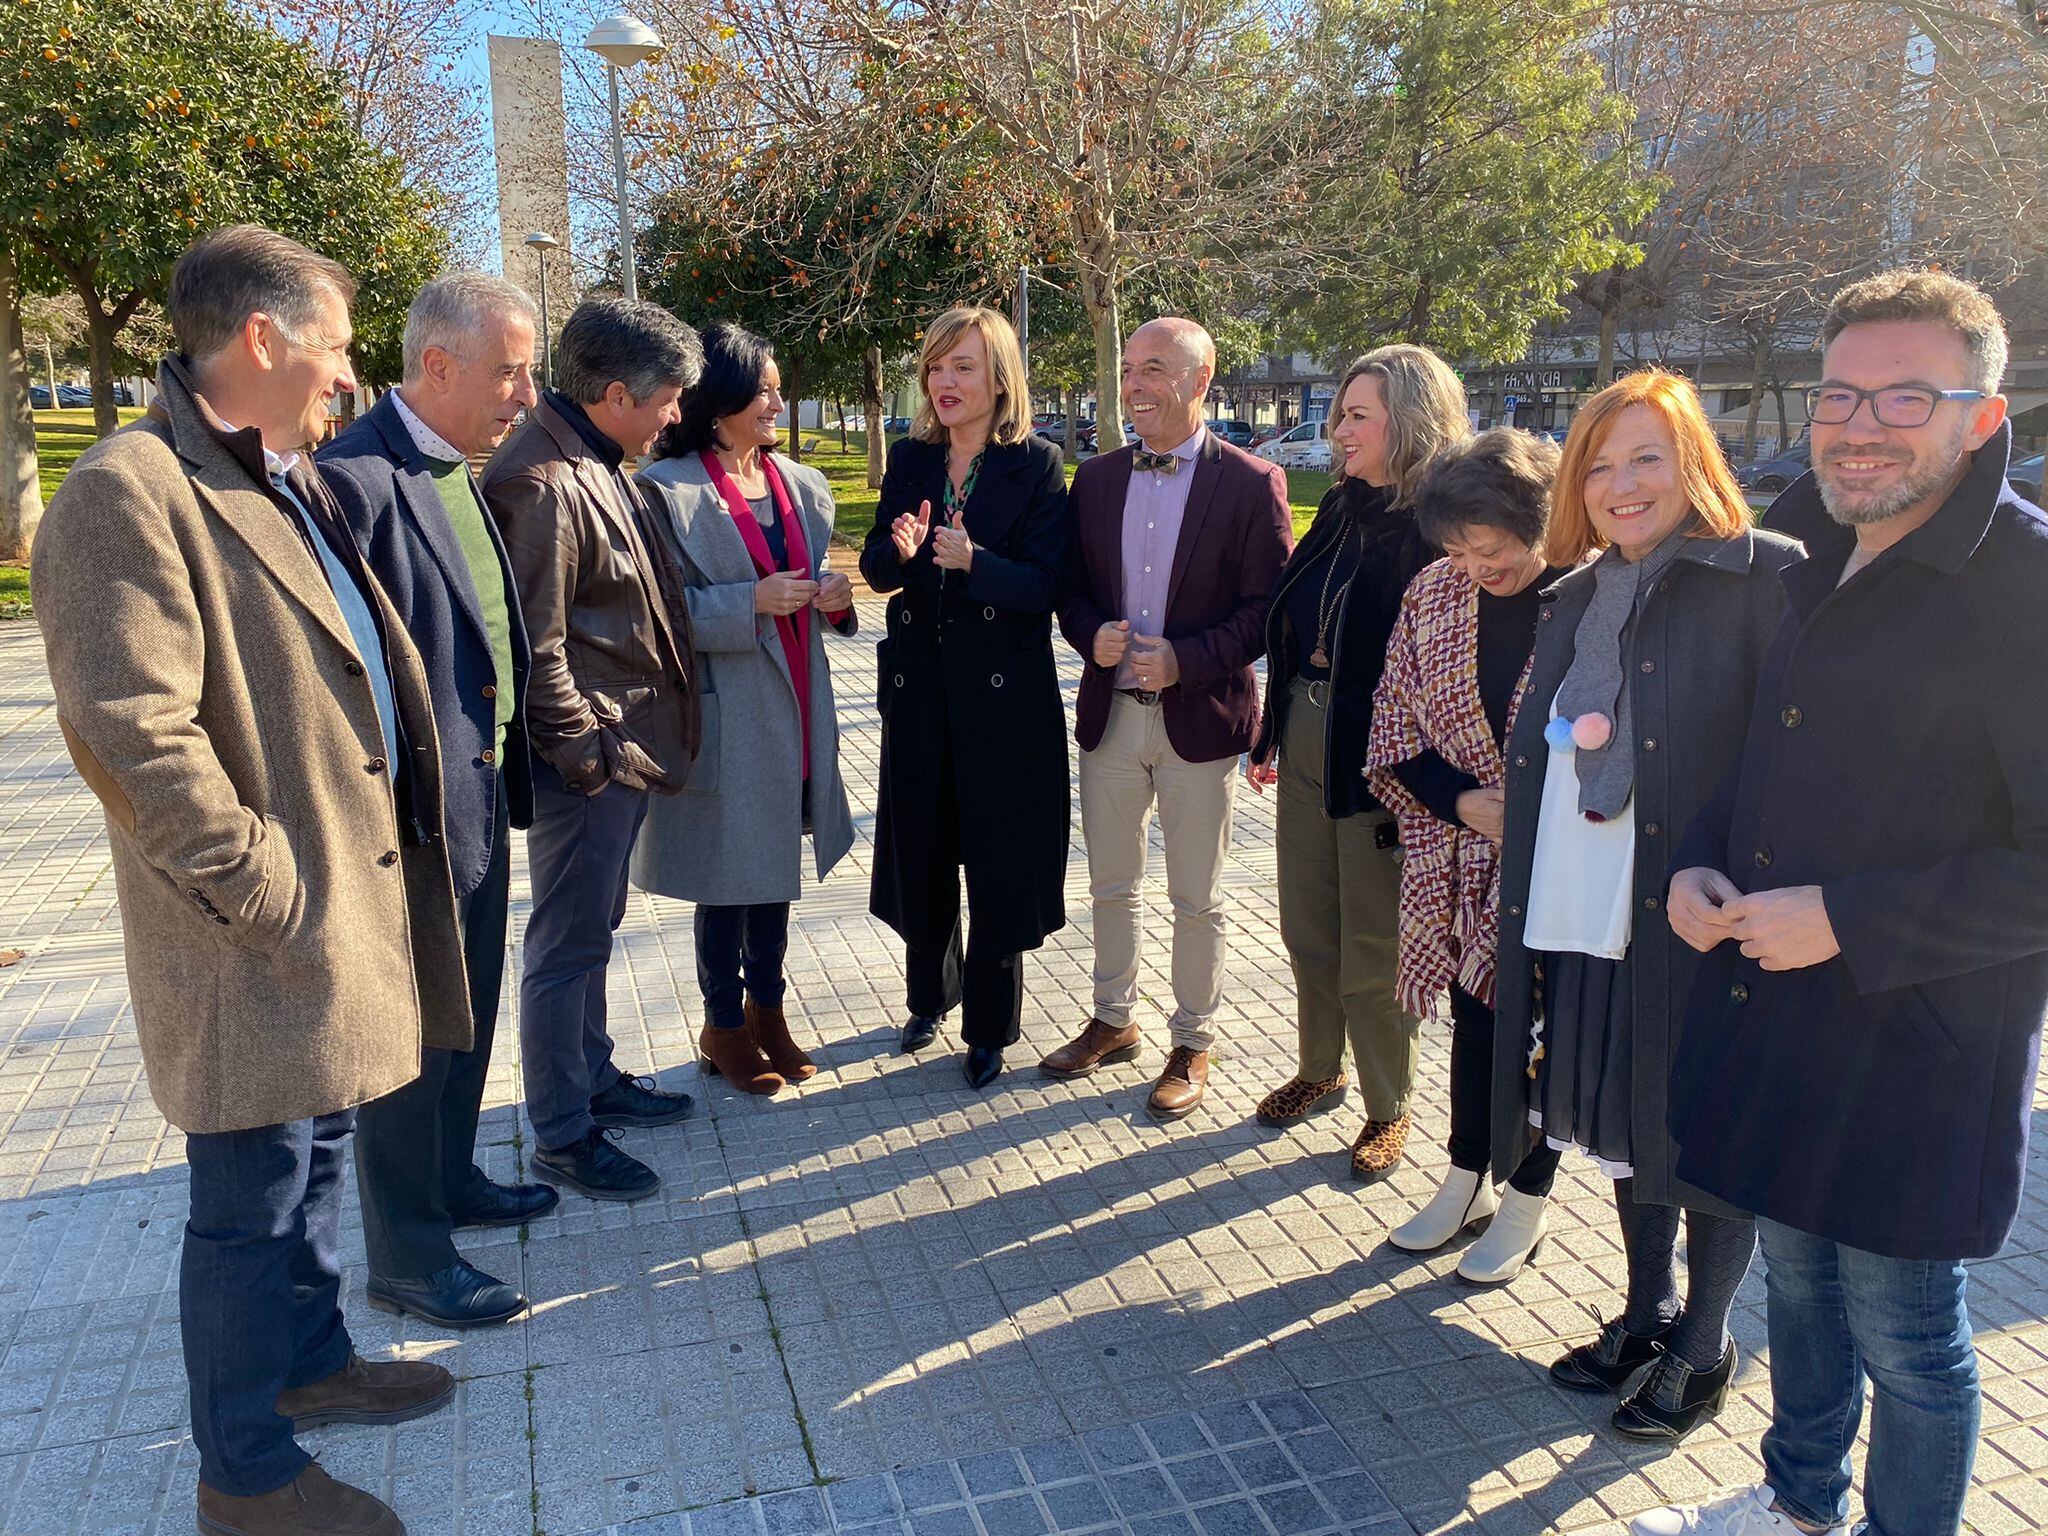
1597 682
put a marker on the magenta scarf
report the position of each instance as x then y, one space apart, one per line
793 628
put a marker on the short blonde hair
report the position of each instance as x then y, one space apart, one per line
1426 410
1012 423
1710 487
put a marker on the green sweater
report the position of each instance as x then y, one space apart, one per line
467 517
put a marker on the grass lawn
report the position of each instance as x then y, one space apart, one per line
61 436
13 591
855 502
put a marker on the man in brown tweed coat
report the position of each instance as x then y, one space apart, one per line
250 712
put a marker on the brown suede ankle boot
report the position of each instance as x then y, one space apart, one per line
771 1035
311 1504
732 1055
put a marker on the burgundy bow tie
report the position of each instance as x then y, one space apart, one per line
1164 463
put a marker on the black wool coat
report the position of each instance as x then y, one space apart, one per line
1394 552
966 677
1690 658
1897 758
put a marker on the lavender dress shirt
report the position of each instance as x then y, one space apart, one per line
1154 506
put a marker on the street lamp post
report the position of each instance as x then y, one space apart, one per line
540 242
623 41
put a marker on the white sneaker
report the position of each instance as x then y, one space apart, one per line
1514 1236
1461 1200
1747 1513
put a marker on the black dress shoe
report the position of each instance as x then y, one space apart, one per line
490 1204
918 1032
634 1103
1674 1397
982 1065
594 1167
460 1296
1606 1364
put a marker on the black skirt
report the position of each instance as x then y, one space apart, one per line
1582 1091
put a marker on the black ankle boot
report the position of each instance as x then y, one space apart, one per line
1606 1364
982 1065
918 1032
1674 1398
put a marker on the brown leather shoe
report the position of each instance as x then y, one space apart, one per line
1378 1148
311 1504
733 1055
363 1392
771 1034
1096 1044
1180 1086
1299 1097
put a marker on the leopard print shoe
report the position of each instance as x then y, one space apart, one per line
1298 1098
1377 1151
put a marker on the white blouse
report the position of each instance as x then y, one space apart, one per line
1582 883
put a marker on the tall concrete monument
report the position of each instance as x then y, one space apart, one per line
530 137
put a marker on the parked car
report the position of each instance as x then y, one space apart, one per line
1266 435
1054 430
1306 447
1237 433
74 396
2025 477
1772 475
895 426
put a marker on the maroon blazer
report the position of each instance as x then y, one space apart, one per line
1235 537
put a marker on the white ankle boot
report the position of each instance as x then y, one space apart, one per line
1514 1234
1461 1200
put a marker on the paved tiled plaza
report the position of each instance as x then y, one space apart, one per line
881 1303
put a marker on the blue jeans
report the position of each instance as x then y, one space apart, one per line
1838 1314
259 1291
740 951
576 852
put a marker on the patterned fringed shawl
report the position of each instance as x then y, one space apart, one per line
1428 698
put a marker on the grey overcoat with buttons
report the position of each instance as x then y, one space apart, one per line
1691 657
734 836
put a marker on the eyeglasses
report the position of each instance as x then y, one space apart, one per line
1903 405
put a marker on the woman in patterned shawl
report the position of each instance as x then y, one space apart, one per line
1455 670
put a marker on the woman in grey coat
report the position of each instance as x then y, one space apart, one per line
1636 708
748 530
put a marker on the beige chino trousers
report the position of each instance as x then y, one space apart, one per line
1340 904
1133 768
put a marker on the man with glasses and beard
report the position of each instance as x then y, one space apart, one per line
1871 892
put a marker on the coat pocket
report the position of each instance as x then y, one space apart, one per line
273 913
1921 1014
704 772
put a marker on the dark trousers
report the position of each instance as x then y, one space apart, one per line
987 989
739 955
259 1291
416 1147
576 852
1472 1099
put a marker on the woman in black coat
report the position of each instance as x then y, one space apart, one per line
1337 847
970 536
1638 699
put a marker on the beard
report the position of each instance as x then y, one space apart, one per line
1924 477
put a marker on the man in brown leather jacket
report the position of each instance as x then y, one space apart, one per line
611 712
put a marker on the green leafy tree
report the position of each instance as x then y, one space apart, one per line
129 127
1481 182
840 253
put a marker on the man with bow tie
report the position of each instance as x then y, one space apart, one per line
1177 544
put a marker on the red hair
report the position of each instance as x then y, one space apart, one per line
1710 486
